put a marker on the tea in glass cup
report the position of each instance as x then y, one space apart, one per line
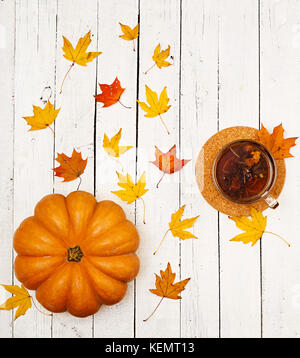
244 172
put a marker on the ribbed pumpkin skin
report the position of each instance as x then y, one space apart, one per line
106 239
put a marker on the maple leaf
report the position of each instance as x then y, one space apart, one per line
21 299
131 191
42 117
129 34
167 162
166 288
159 58
254 228
70 168
177 227
156 106
78 54
275 142
111 146
111 94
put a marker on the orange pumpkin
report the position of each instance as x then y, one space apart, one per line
76 253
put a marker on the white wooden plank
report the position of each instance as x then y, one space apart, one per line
159 23
7 34
75 127
35 63
238 105
199 86
280 49
118 60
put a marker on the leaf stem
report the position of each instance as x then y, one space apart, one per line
162 121
52 130
44 313
80 181
66 75
161 241
160 179
133 44
123 105
144 206
150 68
269 232
145 320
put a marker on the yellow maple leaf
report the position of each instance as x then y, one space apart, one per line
177 227
78 54
156 106
131 191
112 147
166 288
159 57
21 299
254 228
129 34
42 117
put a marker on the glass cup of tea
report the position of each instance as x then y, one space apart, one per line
244 171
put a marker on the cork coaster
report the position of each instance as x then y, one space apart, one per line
203 171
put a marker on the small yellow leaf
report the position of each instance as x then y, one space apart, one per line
21 299
131 191
78 54
129 33
160 56
178 227
254 228
111 146
156 106
42 118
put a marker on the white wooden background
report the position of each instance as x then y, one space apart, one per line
236 62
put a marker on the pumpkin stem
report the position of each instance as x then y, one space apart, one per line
75 254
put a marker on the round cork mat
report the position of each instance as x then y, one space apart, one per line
203 171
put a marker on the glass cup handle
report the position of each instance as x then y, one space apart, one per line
272 202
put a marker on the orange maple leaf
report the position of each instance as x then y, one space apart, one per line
165 287
277 145
70 168
111 94
168 162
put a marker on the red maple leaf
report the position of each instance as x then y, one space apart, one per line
168 162
111 94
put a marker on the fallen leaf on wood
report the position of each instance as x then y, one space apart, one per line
178 226
159 57
112 147
111 94
275 142
167 162
254 228
129 34
166 288
156 106
42 117
131 191
20 300
78 54
70 168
